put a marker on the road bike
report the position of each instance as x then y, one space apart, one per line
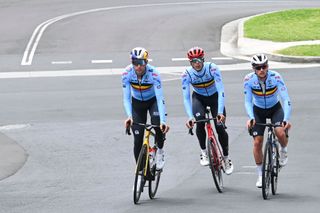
214 150
146 164
271 158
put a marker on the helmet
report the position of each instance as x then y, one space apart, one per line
259 59
139 53
195 52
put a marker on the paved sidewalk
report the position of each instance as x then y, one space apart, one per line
234 44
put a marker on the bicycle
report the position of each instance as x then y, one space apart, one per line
146 165
215 155
270 165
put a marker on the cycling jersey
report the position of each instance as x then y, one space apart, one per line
205 82
148 87
265 94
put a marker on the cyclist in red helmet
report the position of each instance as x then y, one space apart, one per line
208 90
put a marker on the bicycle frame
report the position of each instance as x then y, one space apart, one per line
270 164
216 161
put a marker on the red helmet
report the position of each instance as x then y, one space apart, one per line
195 52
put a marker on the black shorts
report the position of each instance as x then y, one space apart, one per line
275 113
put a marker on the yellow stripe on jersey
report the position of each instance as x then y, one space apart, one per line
204 84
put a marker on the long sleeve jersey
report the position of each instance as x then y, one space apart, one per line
145 89
205 82
266 94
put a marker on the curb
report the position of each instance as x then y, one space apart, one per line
234 44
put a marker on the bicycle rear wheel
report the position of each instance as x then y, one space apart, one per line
266 171
275 170
154 181
139 177
215 165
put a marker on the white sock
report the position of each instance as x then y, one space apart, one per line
259 169
284 149
204 151
160 150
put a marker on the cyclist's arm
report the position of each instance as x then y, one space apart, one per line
126 88
220 88
283 91
157 85
186 94
248 97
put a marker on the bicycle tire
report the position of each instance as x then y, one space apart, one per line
266 171
215 167
275 170
154 181
140 170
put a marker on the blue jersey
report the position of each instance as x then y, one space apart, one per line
148 87
205 82
266 94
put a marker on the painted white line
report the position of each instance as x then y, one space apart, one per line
249 167
14 126
221 58
38 32
180 59
244 173
61 62
101 61
176 70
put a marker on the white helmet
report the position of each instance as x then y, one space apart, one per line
139 53
259 59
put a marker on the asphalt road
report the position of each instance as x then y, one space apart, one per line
70 128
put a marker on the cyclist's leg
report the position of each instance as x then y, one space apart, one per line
139 115
198 109
277 118
257 133
155 120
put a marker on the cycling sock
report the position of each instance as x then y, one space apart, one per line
259 169
284 149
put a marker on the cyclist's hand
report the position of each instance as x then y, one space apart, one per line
190 123
221 118
286 125
164 128
128 122
251 123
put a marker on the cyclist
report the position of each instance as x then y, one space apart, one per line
262 88
142 92
208 90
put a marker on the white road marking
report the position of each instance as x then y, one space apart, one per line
61 62
101 61
38 32
180 59
221 58
175 70
14 126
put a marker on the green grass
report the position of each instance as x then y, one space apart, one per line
303 50
285 26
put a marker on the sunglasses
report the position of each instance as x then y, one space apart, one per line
197 60
137 62
260 67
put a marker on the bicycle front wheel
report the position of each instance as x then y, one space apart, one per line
215 164
266 171
275 169
154 181
139 177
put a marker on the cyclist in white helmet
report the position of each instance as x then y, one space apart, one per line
262 89
142 92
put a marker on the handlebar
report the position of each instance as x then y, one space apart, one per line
146 126
205 121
